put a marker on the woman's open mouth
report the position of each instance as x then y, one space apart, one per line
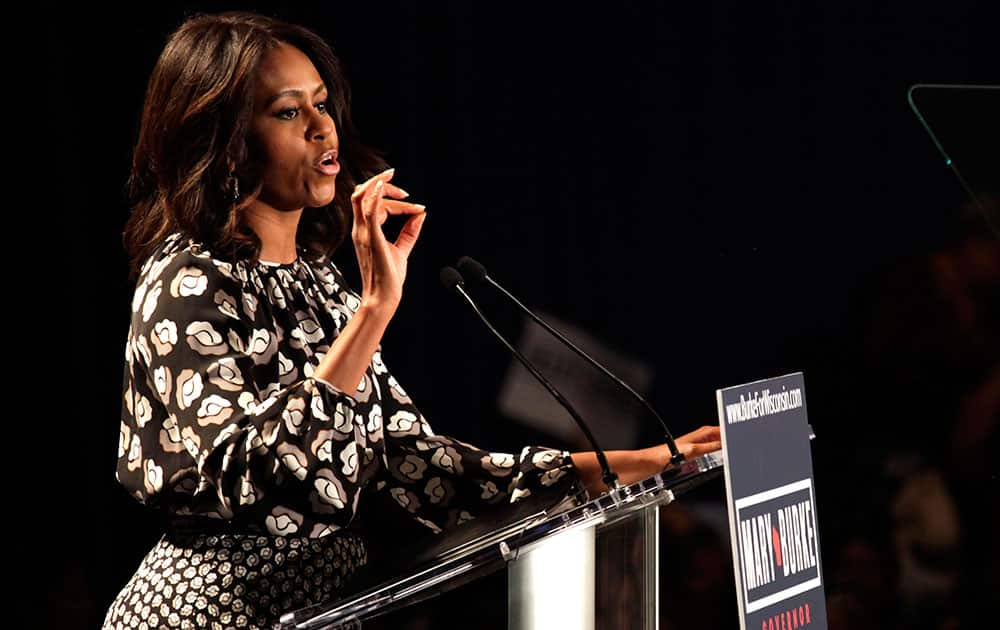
327 163
329 166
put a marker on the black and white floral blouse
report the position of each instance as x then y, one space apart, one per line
224 418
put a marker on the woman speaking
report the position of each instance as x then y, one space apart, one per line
257 410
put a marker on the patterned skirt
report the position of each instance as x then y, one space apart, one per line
234 580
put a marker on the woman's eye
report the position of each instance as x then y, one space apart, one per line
294 110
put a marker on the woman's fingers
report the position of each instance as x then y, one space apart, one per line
408 235
367 197
373 209
364 194
706 433
706 447
379 208
373 202
704 439
392 206
694 449
395 191
362 189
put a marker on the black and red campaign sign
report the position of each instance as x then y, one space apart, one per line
772 504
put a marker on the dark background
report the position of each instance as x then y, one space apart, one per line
725 191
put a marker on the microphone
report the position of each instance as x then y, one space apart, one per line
472 269
452 279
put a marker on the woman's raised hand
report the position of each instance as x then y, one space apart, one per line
383 264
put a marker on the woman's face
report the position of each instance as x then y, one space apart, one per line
293 129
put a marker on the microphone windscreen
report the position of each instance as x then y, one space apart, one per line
450 278
471 269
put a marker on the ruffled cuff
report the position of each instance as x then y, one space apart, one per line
578 491
542 468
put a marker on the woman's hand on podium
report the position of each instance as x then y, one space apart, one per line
705 439
636 465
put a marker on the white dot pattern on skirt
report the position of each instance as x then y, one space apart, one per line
234 580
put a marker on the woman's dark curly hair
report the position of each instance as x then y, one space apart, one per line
194 131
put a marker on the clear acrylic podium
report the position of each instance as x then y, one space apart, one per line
579 567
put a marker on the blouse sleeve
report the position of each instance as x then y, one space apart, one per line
199 438
442 481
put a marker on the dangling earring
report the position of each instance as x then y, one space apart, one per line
235 185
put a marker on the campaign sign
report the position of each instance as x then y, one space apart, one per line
772 504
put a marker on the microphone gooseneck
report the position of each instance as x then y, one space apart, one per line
472 269
452 279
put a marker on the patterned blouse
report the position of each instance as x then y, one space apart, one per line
224 418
